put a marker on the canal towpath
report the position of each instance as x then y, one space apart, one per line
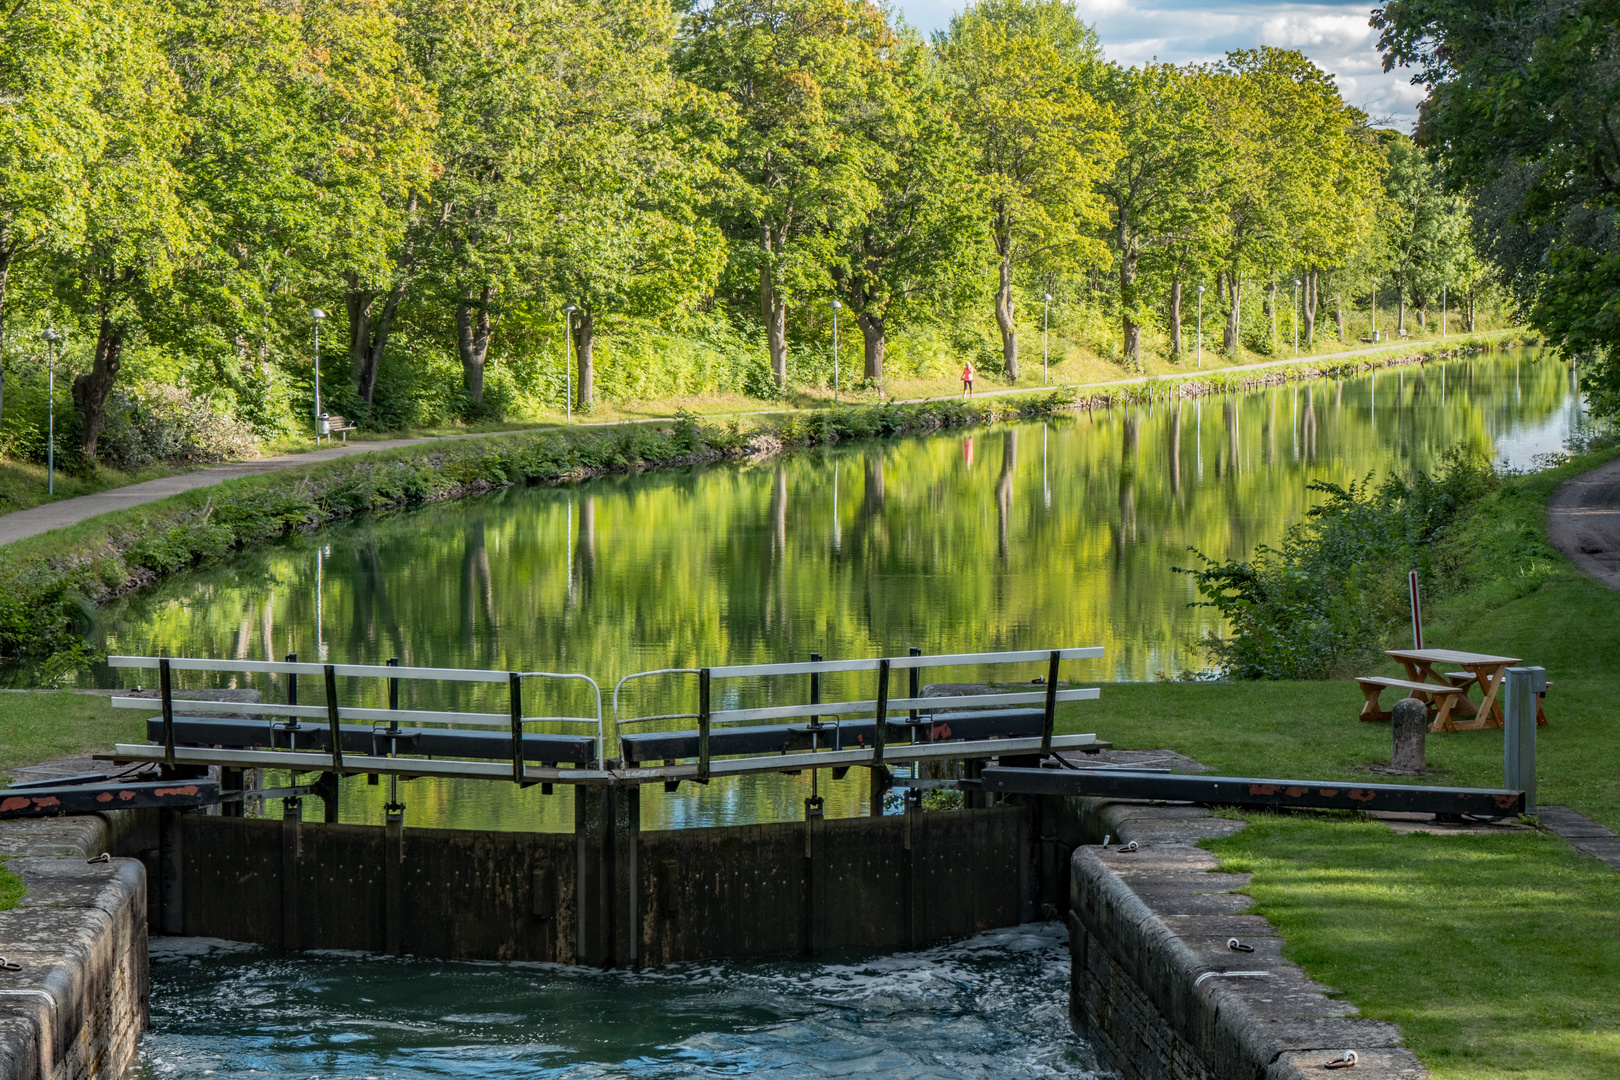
23 524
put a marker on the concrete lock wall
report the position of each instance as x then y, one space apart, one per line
701 893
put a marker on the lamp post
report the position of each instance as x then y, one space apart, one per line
1200 326
317 314
1045 354
1296 316
836 306
1442 312
1374 302
568 362
51 336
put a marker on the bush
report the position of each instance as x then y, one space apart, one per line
151 422
1322 602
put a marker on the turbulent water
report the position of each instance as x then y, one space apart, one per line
993 1006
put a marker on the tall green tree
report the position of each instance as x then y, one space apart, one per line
1020 74
139 226
919 235
50 130
1157 185
796 72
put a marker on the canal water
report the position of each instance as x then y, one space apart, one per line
1034 535
991 1007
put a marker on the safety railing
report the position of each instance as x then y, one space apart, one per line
385 723
826 719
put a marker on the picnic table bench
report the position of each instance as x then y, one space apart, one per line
1446 693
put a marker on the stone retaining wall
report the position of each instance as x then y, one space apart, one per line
76 1009
1147 929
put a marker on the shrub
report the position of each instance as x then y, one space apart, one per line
150 422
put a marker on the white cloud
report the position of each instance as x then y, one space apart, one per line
1336 36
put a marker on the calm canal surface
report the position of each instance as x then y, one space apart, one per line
993 1006
1026 536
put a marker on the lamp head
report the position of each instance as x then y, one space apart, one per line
1047 297
52 334
1296 283
837 306
1200 290
317 314
571 307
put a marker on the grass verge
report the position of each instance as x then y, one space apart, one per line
1495 954
37 726
12 888
23 484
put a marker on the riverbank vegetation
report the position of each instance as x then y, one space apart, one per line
511 207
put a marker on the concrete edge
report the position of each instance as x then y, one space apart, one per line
78 1004
1154 917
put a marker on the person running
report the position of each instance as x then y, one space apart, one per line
967 380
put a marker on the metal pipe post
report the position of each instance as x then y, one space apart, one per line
166 700
703 726
1524 685
881 729
514 687
915 680
1049 720
332 724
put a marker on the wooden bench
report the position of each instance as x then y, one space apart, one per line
1466 680
334 425
1438 698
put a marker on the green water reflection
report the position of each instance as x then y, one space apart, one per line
1031 535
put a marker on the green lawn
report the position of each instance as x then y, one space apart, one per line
1497 955
23 484
38 727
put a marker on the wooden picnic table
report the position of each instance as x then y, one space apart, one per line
1487 670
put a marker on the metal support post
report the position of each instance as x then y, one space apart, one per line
703 726
913 683
514 686
1049 720
166 701
1524 686
291 723
880 731
812 805
332 719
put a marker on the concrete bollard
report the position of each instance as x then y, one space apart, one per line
1411 724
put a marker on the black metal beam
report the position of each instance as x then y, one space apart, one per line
1245 791
91 798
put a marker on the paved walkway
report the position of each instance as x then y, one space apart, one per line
1583 521
1583 834
22 524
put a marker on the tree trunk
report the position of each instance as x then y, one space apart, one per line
774 312
1422 305
368 334
8 251
472 336
1004 319
1400 304
585 353
872 330
1470 311
1312 283
1175 317
90 390
1271 298
1234 313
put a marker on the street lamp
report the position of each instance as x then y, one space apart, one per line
1374 302
568 363
1045 355
51 336
1200 326
836 308
1296 316
317 314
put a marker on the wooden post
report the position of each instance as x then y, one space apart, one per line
703 726
514 696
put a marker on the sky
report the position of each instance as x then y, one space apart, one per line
1334 35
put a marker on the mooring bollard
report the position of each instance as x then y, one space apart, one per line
1519 697
1411 723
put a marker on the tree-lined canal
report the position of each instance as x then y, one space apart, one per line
1025 536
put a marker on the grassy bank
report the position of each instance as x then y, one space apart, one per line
1495 954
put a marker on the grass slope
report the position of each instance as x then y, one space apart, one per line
1495 954
37 726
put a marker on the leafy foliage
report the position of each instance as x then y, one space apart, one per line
1323 600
